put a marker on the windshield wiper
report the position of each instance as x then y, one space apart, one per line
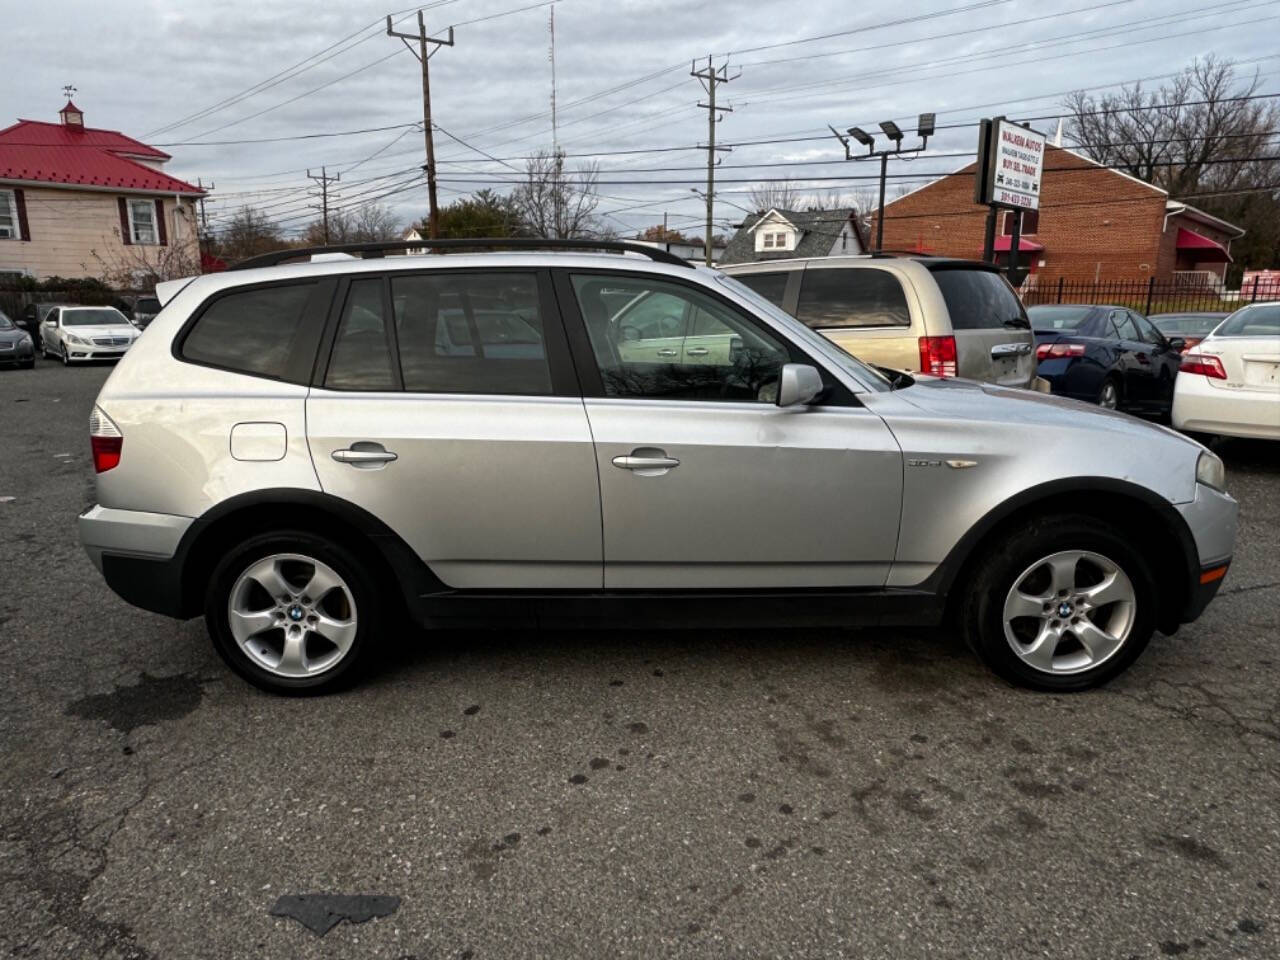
1017 322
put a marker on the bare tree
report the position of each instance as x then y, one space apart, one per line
775 195
1197 133
558 203
248 233
362 224
142 266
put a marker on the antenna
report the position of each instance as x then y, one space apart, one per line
555 140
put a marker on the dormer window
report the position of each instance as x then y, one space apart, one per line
775 238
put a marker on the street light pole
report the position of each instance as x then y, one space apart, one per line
924 129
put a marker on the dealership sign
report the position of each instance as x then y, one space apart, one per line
1010 164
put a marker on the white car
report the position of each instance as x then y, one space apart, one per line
86 333
1229 383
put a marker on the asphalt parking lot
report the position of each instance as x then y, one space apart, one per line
621 794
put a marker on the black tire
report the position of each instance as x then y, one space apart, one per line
28 365
369 608
1112 385
981 607
66 356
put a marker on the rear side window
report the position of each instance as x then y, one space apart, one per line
852 298
361 359
771 286
979 299
251 331
471 333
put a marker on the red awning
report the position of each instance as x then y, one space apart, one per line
1201 247
1005 243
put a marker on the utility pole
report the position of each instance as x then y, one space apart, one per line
710 78
324 180
424 55
204 221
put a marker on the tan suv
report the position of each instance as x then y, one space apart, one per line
929 314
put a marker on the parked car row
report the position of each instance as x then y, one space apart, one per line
68 332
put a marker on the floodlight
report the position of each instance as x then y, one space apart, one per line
862 136
891 130
925 125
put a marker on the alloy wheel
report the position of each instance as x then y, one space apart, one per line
292 615
1110 397
1069 612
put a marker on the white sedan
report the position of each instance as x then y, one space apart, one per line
86 333
1229 383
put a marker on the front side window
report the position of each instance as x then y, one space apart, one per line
8 216
250 331
471 333
361 359
852 298
706 350
142 221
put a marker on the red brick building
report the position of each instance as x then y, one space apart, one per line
1093 224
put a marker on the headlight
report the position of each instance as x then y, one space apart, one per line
25 341
1211 472
74 339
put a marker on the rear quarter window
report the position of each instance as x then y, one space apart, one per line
771 286
978 299
252 331
852 298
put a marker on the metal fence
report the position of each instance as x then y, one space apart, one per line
1197 293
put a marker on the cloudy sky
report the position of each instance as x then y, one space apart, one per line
191 75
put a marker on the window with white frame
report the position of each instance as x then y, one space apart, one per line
142 222
9 229
775 240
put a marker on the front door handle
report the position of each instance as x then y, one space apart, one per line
365 455
646 462
667 352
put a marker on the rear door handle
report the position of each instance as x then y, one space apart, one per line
697 351
667 352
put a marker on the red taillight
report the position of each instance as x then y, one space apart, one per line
1048 350
938 356
1204 364
106 440
106 452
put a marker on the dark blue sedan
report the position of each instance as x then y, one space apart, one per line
1110 356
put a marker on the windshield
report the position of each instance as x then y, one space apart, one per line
1253 321
1198 324
5 322
1059 318
92 317
868 375
147 305
979 299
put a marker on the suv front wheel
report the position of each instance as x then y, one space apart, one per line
292 613
1061 604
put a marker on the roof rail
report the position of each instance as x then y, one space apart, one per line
378 248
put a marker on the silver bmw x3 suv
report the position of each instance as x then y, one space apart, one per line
310 453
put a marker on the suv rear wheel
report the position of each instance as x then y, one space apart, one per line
1061 604
292 613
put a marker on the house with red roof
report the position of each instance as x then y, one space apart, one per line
77 201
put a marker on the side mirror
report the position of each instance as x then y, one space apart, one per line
1177 344
798 383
